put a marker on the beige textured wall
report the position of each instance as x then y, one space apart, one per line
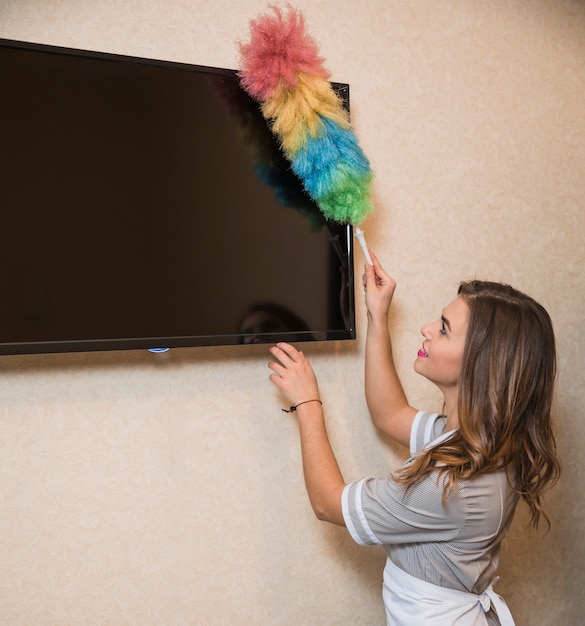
151 490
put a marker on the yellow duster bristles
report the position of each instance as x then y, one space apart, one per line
294 113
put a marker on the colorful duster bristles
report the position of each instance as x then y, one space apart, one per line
282 69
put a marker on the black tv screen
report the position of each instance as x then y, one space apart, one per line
146 204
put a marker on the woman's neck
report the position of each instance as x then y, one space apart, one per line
452 422
450 410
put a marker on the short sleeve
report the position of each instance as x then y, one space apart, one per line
426 427
383 511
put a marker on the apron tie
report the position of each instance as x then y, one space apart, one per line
485 601
490 597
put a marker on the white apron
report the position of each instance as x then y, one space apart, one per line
408 598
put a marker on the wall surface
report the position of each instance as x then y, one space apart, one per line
167 489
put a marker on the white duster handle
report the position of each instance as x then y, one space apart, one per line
359 233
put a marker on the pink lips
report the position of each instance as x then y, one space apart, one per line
422 353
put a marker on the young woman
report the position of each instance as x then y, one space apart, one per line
442 516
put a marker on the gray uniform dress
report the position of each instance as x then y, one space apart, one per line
453 544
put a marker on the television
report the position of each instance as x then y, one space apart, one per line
147 205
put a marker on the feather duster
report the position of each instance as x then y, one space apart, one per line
281 68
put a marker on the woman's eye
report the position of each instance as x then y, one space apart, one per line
443 330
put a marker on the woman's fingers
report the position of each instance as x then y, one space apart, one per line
286 353
287 356
289 350
292 373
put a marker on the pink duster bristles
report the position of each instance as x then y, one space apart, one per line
282 69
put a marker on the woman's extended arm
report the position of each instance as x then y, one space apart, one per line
294 377
385 396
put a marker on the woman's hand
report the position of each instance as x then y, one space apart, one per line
293 374
379 287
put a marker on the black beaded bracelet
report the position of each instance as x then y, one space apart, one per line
294 408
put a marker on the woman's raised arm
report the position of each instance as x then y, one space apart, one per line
385 395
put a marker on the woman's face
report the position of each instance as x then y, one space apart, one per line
439 359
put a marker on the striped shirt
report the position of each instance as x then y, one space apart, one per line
454 544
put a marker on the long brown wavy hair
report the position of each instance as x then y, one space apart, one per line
505 398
